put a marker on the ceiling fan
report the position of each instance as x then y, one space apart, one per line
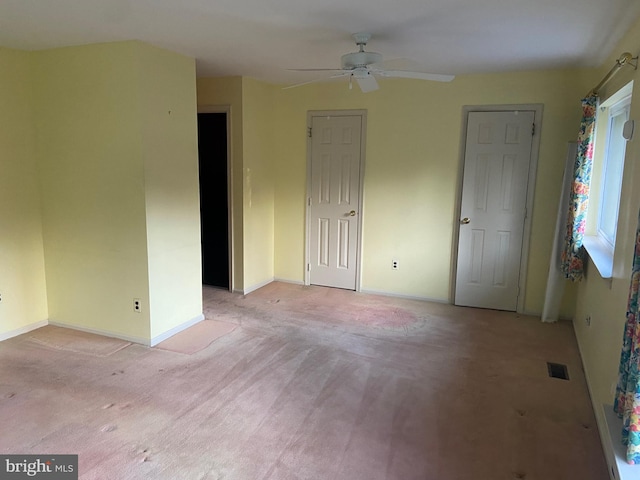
365 66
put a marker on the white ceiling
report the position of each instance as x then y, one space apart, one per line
263 38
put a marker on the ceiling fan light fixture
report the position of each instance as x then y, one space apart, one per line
359 59
363 66
360 72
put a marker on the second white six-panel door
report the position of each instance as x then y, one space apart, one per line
492 217
334 203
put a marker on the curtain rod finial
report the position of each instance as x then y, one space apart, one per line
627 59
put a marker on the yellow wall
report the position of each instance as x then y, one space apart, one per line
227 91
412 171
172 203
89 148
119 186
606 300
252 147
22 280
258 211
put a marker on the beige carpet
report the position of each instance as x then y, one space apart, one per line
197 337
76 341
309 386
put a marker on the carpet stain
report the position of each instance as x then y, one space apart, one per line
386 317
60 338
325 384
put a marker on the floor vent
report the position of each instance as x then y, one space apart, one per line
558 370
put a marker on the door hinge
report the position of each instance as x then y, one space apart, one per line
533 129
309 201
309 132
308 267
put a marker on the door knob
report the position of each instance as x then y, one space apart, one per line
465 220
352 213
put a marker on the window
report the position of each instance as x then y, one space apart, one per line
606 180
612 172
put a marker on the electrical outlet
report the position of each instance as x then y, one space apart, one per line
137 305
587 320
394 264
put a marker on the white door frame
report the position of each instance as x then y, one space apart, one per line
363 137
533 168
230 224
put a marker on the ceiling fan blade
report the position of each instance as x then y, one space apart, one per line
343 74
403 64
314 70
417 75
367 84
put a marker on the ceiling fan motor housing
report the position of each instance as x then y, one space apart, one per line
359 59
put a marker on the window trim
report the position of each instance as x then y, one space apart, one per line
623 105
600 249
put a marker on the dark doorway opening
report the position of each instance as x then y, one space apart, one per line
214 200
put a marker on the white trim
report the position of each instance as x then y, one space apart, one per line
531 313
408 297
623 471
600 421
286 280
177 329
104 333
537 109
23 330
227 110
601 254
256 286
622 106
363 142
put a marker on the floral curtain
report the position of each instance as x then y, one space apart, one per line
627 401
573 253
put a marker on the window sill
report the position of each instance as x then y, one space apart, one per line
624 470
600 253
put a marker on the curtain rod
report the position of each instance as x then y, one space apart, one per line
625 59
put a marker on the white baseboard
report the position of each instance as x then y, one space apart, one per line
129 338
104 333
170 333
255 287
603 429
286 280
400 295
22 330
531 313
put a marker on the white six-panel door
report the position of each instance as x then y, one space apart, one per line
493 208
334 202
